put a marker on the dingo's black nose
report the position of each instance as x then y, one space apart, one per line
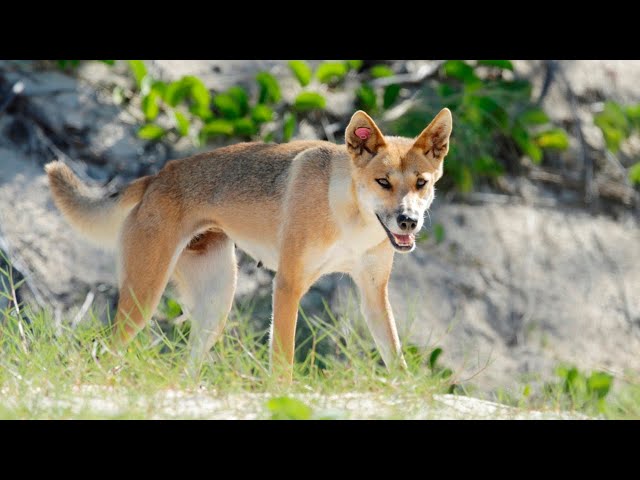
406 223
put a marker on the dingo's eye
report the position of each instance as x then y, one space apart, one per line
420 183
384 183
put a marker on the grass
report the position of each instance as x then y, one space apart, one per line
50 370
58 371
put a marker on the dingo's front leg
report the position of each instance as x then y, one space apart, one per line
372 277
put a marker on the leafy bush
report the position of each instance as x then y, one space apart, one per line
186 108
579 391
193 111
494 117
493 112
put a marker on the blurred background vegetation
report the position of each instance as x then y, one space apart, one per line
500 127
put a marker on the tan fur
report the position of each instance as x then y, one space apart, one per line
98 217
304 209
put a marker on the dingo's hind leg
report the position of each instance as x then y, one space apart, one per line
148 253
206 276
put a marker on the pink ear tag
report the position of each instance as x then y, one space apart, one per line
363 133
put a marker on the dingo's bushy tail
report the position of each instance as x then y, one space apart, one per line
98 218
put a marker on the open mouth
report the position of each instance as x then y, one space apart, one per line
402 243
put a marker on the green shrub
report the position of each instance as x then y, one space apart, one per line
577 390
491 114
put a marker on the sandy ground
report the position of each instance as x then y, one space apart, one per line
172 404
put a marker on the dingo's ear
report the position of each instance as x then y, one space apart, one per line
363 137
435 138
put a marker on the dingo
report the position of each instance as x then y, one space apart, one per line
303 209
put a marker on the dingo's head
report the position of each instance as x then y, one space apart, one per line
395 176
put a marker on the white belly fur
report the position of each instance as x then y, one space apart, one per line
260 252
341 256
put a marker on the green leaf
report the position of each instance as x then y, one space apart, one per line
215 127
504 64
200 96
433 358
613 115
438 232
632 111
176 92
523 140
381 71
172 309
554 138
288 127
460 70
367 97
108 62
151 105
244 127
262 113
390 95
182 123
159 87
139 70
309 101
354 64
151 131
189 86
227 106
633 114
533 116
269 88
572 379
241 97
614 125
600 383
286 408
634 174
613 137
302 71
331 72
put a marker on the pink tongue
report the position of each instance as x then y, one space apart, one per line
403 239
